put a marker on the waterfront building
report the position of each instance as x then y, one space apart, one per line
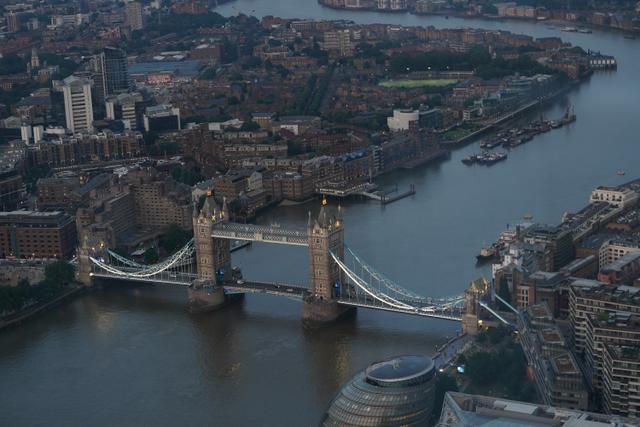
557 239
615 196
31 234
621 380
396 392
403 120
591 298
462 410
77 104
133 15
558 377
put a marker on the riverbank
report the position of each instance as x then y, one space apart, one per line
33 311
464 15
538 103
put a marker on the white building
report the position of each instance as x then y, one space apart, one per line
77 104
402 119
615 196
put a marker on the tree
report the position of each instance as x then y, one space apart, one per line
444 383
250 126
151 255
174 238
59 272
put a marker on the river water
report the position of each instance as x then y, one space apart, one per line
130 354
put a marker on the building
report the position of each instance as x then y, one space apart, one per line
84 148
614 249
403 120
592 298
133 15
462 410
396 391
57 192
615 196
13 271
31 234
77 104
13 22
159 201
161 118
113 72
338 41
557 239
127 107
622 271
621 380
12 190
558 377
615 328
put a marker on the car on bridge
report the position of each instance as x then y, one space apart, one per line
240 282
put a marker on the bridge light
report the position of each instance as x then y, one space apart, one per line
324 200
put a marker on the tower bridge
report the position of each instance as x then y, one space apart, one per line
339 279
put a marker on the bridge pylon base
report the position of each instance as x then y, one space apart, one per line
203 299
317 313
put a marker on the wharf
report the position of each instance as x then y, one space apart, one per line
385 200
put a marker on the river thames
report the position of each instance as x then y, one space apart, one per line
132 355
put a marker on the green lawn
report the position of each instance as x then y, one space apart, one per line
410 84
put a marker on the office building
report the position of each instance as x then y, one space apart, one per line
126 107
114 74
77 104
31 234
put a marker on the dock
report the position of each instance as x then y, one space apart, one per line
385 200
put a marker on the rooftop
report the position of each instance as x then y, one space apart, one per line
460 409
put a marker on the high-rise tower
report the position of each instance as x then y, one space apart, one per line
77 104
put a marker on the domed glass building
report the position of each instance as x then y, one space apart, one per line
395 392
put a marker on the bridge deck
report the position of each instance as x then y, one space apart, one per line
374 305
279 289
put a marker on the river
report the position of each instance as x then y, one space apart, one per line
130 354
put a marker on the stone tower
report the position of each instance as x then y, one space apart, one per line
472 296
325 236
213 257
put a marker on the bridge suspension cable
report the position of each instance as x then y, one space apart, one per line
369 288
133 269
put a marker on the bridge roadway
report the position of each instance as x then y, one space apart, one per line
425 311
280 289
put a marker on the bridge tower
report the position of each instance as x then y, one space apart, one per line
325 235
213 257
